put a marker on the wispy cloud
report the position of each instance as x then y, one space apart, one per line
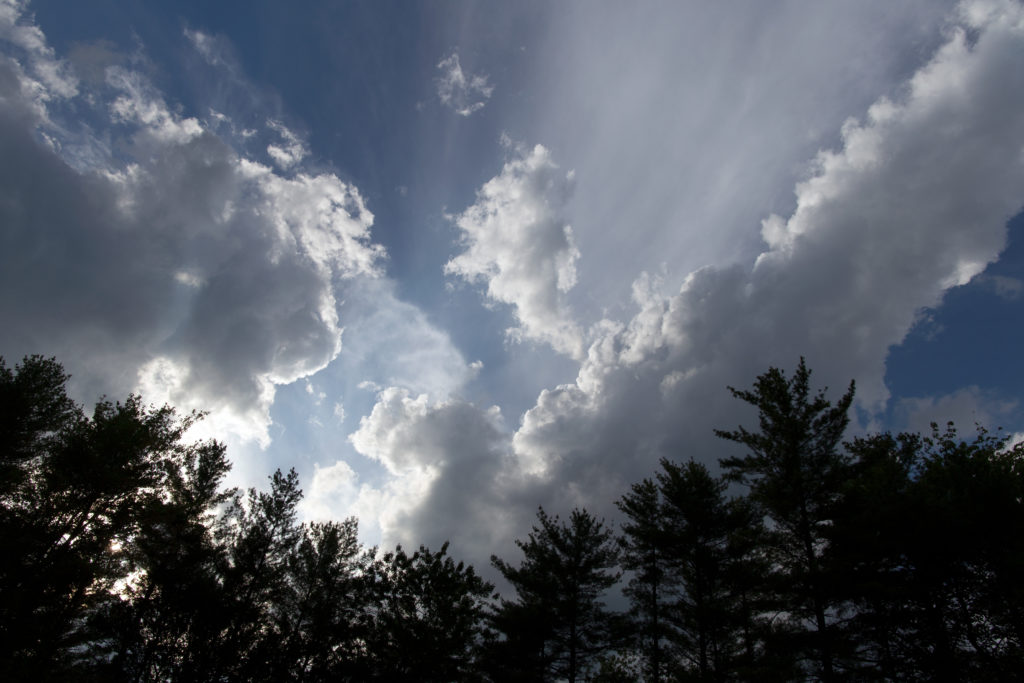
1005 287
290 151
464 93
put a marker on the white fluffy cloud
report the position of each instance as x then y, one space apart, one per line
517 240
449 462
48 76
177 266
209 266
915 201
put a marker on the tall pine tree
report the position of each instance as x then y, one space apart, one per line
795 470
566 569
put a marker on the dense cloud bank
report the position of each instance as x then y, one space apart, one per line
915 201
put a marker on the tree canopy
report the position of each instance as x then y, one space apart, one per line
888 557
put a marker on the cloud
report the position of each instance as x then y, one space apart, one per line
215 50
211 267
50 77
291 150
394 344
463 93
177 265
518 242
1009 288
451 470
138 103
965 408
914 202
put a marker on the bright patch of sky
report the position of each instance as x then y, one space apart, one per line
452 261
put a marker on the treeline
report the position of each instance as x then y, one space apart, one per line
889 557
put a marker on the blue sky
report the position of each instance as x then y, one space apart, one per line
452 261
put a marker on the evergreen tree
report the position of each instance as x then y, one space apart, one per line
930 537
428 617
325 611
565 570
795 470
644 552
80 498
707 563
167 617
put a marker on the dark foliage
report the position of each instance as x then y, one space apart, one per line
126 559
558 627
427 619
794 470
891 557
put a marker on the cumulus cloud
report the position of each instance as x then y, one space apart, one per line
177 266
518 242
914 202
463 93
178 263
448 460
394 344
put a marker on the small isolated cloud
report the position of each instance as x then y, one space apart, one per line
517 240
290 151
463 93
214 50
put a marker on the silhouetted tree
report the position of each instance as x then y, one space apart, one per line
79 497
644 552
169 612
709 567
795 471
126 559
325 613
930 537
428 617
565 571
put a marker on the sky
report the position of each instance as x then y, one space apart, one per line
454 261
